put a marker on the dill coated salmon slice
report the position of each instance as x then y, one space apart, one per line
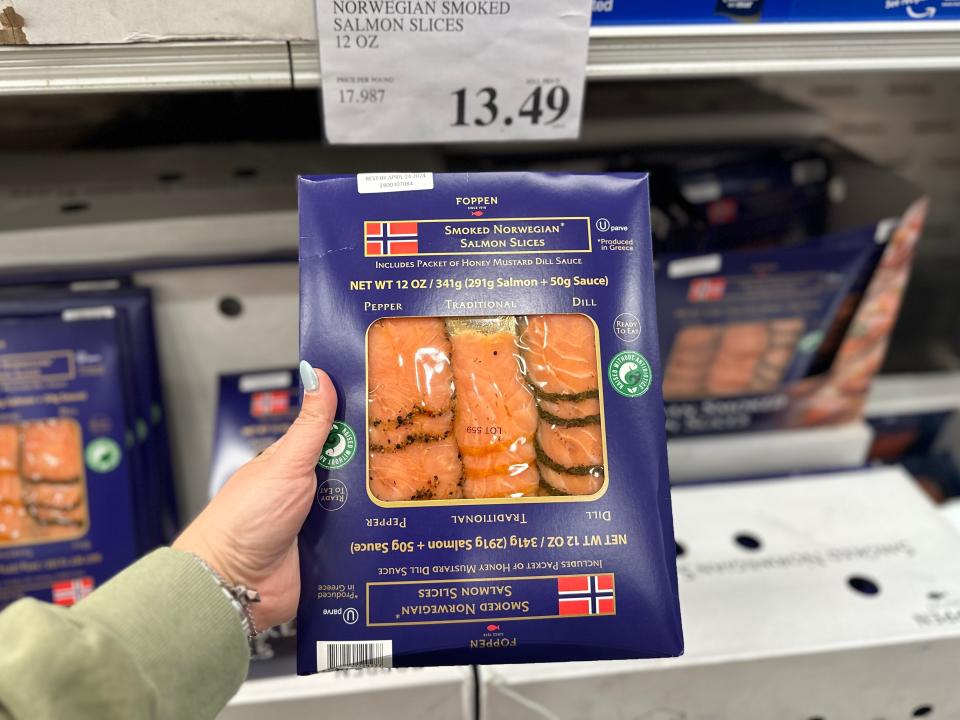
51 451
496 414
560 353
560 356
9 441
571 447
559 482
410 404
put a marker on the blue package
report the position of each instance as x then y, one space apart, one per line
67 513
495 487
739 326
140 368
695 12
254 410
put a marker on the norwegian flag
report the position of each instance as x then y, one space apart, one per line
586 595
707 289
391 238
268 403
69 592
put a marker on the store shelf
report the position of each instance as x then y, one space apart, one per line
409 694
616 53
764 454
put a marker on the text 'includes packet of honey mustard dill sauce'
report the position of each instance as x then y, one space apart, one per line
495 487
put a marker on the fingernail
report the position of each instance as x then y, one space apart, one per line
308 377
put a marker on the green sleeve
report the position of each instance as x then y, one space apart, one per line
160 640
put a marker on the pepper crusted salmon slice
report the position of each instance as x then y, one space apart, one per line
423 428
496 414
9 440
560 352
421 471
412 452
51 451
15 524
409 370
53 496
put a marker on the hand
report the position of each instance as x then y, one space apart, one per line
248 532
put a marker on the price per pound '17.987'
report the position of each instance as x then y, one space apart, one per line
546 104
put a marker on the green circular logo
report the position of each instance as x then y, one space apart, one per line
340 447
103 454
629 374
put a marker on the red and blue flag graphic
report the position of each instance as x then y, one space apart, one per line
586 595
70 592
391 238
271 402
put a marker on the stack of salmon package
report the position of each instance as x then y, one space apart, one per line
85 483
495 487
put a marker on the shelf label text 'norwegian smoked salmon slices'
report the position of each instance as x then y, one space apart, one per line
495 488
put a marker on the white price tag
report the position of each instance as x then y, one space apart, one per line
412 71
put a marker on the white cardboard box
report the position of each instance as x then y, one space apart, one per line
404 694
782 631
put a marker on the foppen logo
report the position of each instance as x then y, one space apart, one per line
477 204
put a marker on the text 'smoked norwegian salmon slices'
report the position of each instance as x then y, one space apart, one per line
495 486
560 354
496 413
410 411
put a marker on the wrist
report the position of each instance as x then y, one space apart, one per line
241 597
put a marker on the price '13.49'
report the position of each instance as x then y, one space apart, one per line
546 106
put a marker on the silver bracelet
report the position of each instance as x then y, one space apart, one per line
240 596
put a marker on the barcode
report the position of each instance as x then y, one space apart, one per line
339 655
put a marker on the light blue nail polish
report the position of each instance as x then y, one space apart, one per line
308 377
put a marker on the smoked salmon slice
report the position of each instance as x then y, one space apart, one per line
51 451
9 442
10 491
560 354
496 413
14 523
410 410
420 471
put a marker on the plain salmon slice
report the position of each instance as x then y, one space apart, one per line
560 354
496 413
410 410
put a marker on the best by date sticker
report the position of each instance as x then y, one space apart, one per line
420 71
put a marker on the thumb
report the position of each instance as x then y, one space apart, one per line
303 442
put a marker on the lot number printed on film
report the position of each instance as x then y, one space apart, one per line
406 71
